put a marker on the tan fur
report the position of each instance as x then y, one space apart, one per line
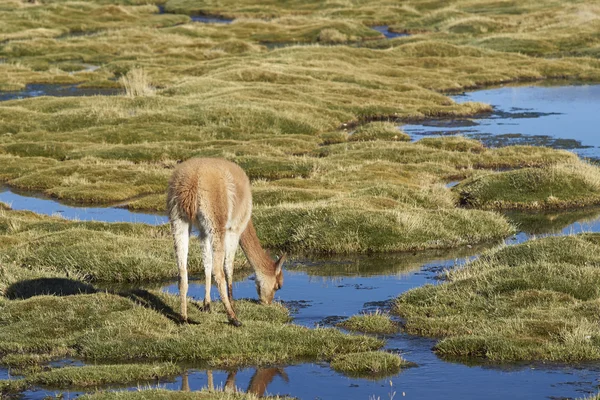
214 195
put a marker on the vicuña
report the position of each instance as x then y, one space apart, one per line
214 195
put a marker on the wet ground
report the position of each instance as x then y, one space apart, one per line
37 90
564 117
321 292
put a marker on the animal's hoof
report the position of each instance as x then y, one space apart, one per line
235 323
206 308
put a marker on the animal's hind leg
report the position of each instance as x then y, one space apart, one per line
181 238
231 244
207 261
218 269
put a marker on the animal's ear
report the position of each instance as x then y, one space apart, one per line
279 263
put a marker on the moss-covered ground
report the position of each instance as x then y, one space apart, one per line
534 301
307 98
370 364
377 323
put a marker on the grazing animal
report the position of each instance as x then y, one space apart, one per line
214 195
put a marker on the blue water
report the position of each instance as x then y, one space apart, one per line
559 117
57 90
47 206
386 32
210 19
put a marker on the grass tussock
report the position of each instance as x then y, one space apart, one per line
377 323
378 131
136 83
575 184
371 364
91 376
534 301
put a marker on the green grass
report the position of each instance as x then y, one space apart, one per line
143 326
371 364
559 186
378 131
377 323
91 376
534 301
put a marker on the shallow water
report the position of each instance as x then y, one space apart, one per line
205 19
41 205
210 19
56 90
564 117
387 33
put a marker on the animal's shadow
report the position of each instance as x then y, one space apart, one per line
68 287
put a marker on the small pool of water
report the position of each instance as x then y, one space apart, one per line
204 19
210 19
41 205
37 90
562 117
385 29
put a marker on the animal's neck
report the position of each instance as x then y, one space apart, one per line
258 257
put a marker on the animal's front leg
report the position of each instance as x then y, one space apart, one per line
231 244
181 238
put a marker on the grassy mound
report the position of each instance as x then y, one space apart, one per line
536 301
373 364
370 323
453 143
560 186
93 376
144 326
334 229
378 131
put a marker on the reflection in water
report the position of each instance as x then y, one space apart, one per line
381 264
556 222
564 117
257 386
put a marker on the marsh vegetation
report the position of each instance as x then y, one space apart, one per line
308 98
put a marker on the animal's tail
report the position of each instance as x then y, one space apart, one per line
183 197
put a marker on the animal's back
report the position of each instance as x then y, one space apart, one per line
217 188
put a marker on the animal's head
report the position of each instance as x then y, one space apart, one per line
268 284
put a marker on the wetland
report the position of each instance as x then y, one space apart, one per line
430 166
